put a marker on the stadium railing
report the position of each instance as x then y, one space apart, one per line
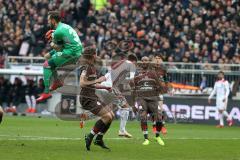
185 73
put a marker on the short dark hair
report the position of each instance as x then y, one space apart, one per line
119 56
158 55
54 15
89 52
221 72
132 57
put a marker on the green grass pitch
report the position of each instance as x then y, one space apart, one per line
32 138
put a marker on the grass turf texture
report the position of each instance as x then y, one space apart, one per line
49 138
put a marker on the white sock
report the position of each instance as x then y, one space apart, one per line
33 101
227 115
221 119
27 97
123 119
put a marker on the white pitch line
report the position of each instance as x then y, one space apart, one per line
39 138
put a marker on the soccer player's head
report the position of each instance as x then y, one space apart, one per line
158 59
145 62
119 56
90 53
53 19
220 75
132 58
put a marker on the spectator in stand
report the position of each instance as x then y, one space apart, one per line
40 87
4 91
15 95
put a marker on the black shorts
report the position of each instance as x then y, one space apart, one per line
150 106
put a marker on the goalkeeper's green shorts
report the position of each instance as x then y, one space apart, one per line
62 58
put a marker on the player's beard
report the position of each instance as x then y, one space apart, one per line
51 26
145 67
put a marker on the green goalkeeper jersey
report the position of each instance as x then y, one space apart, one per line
67 37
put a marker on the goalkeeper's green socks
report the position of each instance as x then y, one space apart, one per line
47 73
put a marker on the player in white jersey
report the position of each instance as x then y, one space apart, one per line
122 70
222 90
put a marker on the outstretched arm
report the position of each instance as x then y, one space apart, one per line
84 82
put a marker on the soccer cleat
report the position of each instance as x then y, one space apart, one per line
146 142
121 134
100 143
81 125
160 141
128 135
154 129
88 142
230 123
44 96
28 110
56 85
219 126
33 110
124 134
164 130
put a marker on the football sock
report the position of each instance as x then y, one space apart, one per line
33 101
123 119
103 131
226 115
55 75
159 126
47 73
27 97
144 129
221 119
96 129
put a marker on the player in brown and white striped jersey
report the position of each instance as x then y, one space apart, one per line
122 70
147 88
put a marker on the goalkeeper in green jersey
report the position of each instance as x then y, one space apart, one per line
66 49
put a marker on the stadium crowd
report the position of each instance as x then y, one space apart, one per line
179 30
16 92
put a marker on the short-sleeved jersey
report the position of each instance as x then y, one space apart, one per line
146 85
162 73
121 70
66 36
90 72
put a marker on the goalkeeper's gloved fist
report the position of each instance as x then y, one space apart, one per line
48 35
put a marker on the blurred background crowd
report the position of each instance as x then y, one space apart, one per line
16 92
179 30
